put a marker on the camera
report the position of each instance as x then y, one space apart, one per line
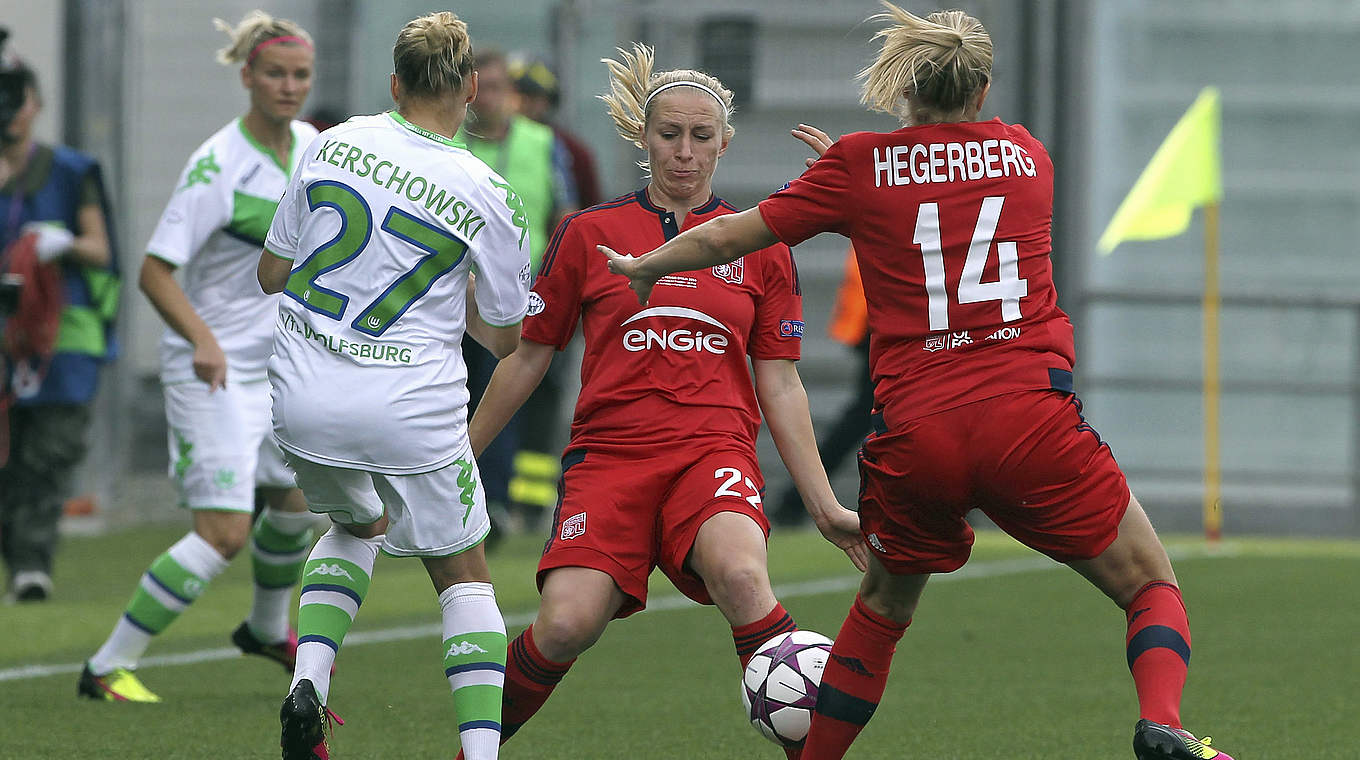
10 287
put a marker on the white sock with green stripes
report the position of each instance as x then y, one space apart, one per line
334 584
174 580
278 549
474 662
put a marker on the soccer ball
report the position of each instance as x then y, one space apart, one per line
779 688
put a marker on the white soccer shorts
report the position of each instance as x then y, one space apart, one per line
430 514
221 445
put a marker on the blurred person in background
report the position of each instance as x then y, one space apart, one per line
541 423
661 470
539 97
849 325
519 469
219 336
57 325
395 470
973 363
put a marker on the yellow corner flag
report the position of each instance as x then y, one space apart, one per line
1182 175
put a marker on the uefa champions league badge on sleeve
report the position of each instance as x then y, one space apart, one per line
536 304
791 328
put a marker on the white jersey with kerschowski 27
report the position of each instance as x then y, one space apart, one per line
383 222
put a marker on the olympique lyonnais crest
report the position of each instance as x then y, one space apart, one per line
729 272
574 526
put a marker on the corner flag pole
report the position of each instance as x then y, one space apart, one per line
1185 174
1213 504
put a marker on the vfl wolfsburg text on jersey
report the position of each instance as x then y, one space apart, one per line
378 353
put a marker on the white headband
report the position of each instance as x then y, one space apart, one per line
683 83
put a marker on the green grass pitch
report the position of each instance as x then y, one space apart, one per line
1012 658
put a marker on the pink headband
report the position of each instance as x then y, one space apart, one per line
288 38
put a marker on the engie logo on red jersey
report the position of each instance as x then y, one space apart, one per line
670 338
729 272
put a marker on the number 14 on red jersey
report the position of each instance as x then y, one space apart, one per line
1008 288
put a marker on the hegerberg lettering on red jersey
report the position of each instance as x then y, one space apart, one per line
927 163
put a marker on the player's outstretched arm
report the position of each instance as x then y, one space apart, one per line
784 403
516 376
717 241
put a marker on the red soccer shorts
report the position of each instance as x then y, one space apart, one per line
624 510
1028 460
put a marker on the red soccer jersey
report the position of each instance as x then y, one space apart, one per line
675 369
950 224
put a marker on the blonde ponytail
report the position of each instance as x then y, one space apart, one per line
633 85
928 68
254 30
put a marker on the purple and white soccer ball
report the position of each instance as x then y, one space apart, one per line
779 687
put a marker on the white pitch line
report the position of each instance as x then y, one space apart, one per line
989 569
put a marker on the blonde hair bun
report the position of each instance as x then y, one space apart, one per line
433 54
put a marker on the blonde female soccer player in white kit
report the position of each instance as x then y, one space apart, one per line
213 356
373 247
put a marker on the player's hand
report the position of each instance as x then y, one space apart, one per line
815 138
627 265
210 365
841 527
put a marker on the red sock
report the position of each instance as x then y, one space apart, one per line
529 679
852 684
749 637
1158 647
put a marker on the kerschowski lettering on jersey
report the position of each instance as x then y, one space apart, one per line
417 189
930 163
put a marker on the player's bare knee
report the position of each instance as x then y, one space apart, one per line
562 635
739 580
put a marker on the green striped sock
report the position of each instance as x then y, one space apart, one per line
474 663
276 559
475 666
332 590
174 580
165 591
334 584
